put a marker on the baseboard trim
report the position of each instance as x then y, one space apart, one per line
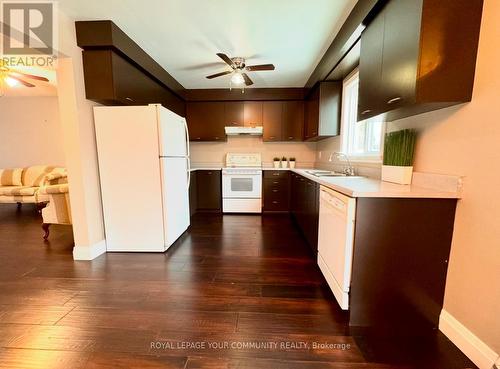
89 252
475 349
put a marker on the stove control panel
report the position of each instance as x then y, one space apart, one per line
238 160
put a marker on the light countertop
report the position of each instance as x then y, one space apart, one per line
366 187
369 187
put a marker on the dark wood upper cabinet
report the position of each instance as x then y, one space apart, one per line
323 107
118 72
293 121
252 113
311 124
233 113
370 68
272 121
281 120
110 79
206 121
418 56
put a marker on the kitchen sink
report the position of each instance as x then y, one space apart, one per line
329 173
325 173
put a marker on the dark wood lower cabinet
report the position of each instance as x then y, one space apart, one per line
276 191
193 194
206 190
400 262
304 206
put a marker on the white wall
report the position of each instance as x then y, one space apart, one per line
465 140
80 146
30 132
213 153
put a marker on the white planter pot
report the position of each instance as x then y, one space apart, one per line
284 164
399 175
276 164
292 164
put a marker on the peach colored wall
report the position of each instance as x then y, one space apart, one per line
465 140
206 153
30 136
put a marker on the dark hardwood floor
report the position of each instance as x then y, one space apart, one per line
231 281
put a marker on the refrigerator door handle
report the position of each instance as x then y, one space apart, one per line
188 153
187 137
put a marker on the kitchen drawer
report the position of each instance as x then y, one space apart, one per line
276 202
276 182
271 189
275 173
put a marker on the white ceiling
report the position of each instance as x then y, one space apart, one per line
184 35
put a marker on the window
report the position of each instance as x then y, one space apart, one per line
360 140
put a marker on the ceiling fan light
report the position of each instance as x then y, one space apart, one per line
237 78
11 82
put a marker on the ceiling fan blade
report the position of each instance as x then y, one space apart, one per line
253 68
247 79
226 59
219 74
32 76
27 84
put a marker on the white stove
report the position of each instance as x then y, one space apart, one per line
242 183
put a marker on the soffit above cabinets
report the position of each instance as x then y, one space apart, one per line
184 36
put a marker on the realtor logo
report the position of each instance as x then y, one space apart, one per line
28 28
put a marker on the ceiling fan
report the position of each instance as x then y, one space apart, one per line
239 68
12 77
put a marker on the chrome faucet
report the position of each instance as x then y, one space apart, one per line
348 169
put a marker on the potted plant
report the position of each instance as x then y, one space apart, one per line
276 162
399 148
291 162
284 162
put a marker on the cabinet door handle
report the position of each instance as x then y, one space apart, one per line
291 138
394 100
216 138
209 173
275 182
366 111
272 138
275 190
315 133
276 174
275 202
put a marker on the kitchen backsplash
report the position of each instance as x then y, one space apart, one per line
214 153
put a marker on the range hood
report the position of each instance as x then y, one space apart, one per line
240 131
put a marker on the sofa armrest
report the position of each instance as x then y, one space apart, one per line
55 178
54 189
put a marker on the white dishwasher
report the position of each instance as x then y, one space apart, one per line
337 214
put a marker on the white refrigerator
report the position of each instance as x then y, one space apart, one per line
144 170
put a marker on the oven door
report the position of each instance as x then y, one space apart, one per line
242 186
